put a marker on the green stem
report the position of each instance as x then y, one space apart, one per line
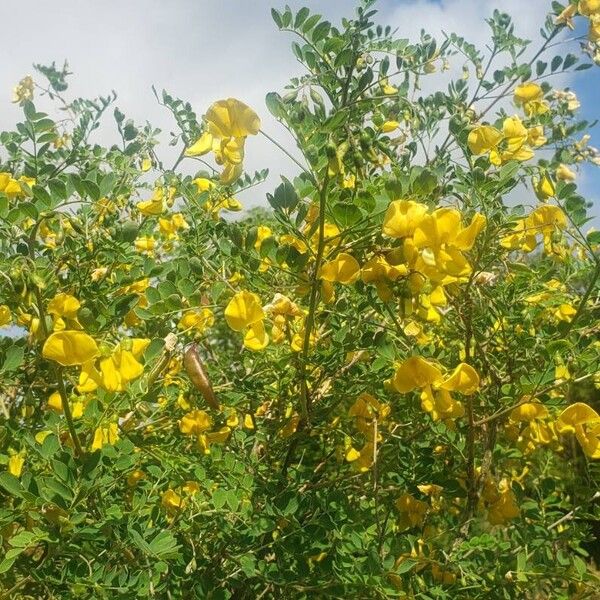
312 306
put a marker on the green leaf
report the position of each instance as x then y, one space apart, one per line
346 214
301 17
556 62
277 18
285 196
405 566
13 359
274 104
219 498
11 484
321 31
49 446
593 237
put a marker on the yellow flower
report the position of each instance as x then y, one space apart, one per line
501 502
16 462
202 184
343 269
389 126
386 88
5 316
544 187
516 136
172 502
40 436
232 118
134 477
262 233
531 97
418 373
23 91
99 273
483 138
563 173
415 372
198 319
152 207
584 422
190 487
402 217
195 422
122 366
412 511
464 379
230 173
201 146
64 305
105 436
589 8
243 310
55 402
536 137
145 244
256 337
70 348
565 312
438 244
528 412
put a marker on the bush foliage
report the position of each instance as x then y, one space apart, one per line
384 386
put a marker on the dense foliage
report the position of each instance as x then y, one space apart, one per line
385 386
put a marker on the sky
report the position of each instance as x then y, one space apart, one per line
203 50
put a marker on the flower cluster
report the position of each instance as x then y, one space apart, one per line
417 373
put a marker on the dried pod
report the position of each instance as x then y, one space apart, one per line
195 370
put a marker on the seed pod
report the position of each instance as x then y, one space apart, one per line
195 370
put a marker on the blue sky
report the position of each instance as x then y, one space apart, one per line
587 86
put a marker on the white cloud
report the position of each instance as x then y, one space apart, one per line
201 50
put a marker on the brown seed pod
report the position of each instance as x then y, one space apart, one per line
195 370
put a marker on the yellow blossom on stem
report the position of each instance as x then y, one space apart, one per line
172 502
344 268
243 310
70 348
584 422
402 217
564 173
105 436
16 463
483 138
5 316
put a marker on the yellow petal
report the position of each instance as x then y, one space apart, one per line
483 139
527 92
578 413
201 146
402 217
70 348
232 118
466 237
243 310
55 402
464 379
343 269
389 126
415 372
256 337
5 316
64 305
